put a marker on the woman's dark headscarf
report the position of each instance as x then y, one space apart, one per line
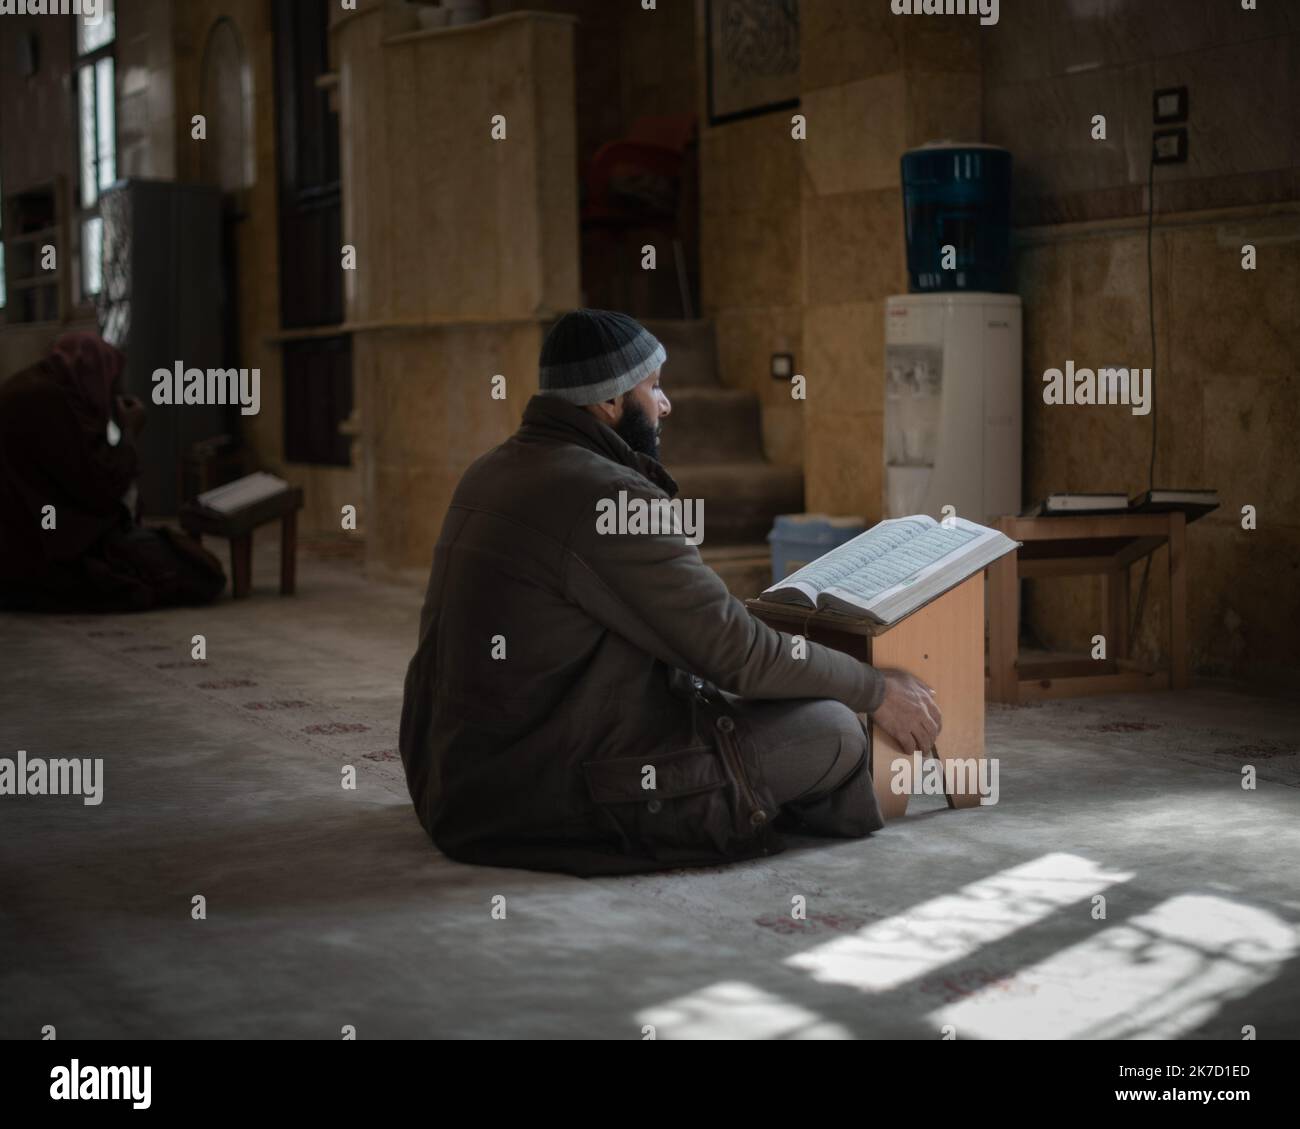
88 368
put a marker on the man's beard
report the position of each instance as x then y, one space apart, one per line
636 430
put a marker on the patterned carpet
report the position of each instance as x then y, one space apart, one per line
223 778
344 727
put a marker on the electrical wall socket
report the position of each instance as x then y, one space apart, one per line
1170 105
1169 146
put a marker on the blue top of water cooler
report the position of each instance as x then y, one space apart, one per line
957 196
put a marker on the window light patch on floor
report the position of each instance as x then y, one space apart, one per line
736 1010
1160 975
949 928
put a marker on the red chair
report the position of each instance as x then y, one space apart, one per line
636 182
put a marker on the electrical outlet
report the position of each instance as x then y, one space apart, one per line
1170 105
1169 146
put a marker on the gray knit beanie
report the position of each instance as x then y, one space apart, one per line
594 355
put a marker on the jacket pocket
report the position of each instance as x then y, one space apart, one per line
688 814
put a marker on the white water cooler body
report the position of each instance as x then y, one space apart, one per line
952 404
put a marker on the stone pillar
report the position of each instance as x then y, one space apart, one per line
465 246
873 85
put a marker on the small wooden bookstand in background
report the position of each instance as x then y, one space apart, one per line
238 526
941 643
1106 545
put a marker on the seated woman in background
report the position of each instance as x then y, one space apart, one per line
68 536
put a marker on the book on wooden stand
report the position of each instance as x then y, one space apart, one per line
243 493
906 594
235 510
1192 503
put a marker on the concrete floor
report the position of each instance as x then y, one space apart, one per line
328 907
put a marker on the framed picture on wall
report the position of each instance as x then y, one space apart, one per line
752 49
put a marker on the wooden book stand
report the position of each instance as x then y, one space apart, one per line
941 643
238 526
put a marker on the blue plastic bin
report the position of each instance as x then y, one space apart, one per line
797 539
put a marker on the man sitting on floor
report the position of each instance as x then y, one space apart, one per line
595 701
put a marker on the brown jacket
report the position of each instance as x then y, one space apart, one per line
557 665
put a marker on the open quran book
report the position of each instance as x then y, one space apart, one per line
893 568
243 492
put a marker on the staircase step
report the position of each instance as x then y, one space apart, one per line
692 353
712 425
740 498
745 569
712 444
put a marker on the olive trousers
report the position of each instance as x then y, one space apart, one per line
815 759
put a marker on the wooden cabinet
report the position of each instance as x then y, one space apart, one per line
36 263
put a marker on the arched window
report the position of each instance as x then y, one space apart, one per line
226 102
95 89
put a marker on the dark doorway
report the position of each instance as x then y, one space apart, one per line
317 369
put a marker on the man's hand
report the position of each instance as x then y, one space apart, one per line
909 712
130 415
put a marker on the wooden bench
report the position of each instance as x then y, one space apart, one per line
1106 545
238 526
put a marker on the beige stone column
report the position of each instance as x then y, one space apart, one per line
465 245
873 85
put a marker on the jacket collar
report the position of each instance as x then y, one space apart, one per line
549 417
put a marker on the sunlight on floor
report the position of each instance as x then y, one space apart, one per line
951 927
735 1010
1156 976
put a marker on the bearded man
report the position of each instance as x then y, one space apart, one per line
596 702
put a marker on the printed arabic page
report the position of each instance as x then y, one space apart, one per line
907 561
853 556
